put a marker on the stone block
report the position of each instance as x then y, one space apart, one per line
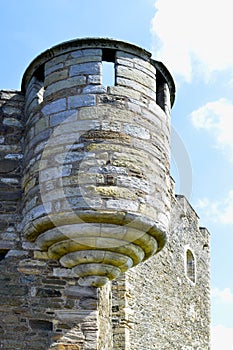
8 166
81 292
53 68
54 106
94 79
94 89
48 293
147 68
122 91
62 85
125 62
14 290
17 253
86 53
81 101
56 60
56 76
122 204
82 59
136 86
43 123
12 122
92 68
58 118
136 131
10 110
138 76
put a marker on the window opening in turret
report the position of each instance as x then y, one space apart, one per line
108 67
190 266
160 89
39 83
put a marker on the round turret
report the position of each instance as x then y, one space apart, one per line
97 157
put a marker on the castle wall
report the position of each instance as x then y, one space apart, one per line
85 195
39 310
164 307
11 128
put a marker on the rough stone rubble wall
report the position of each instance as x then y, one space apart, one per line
11 126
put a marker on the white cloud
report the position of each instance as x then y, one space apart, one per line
188 31
216 118
222 296
208 209
226 216
217 211
221 338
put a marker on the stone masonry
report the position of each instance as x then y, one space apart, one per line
96 250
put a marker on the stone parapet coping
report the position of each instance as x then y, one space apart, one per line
89 43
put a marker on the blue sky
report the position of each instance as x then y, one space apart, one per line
193 38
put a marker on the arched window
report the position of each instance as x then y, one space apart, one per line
190 266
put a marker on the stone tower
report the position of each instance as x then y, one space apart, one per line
87 202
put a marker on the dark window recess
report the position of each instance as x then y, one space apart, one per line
190 265
41 325
39 73
39 82
160 89
108 67
3 253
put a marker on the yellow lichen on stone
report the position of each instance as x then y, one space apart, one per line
116 192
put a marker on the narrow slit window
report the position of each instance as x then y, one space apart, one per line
190 266
160 90
108 67
39 83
